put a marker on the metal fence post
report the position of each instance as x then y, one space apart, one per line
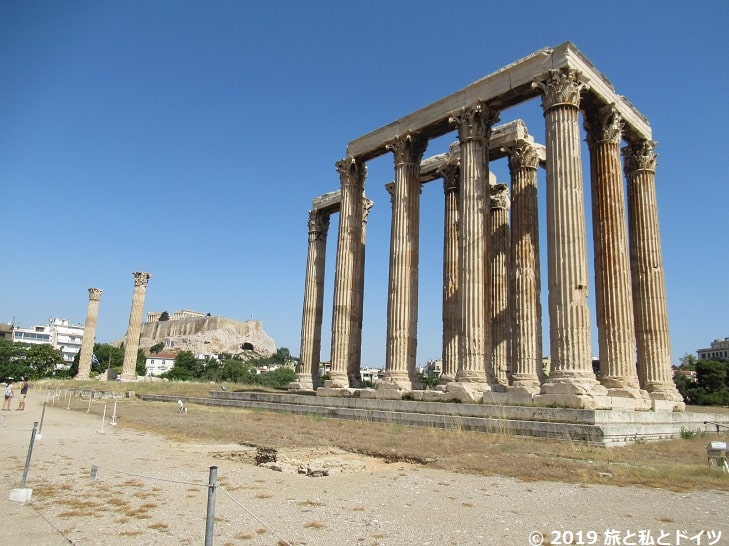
210 521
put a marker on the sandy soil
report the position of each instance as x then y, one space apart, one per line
148 490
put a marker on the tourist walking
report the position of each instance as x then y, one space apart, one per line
23 394
8 395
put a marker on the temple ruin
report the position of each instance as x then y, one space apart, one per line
492 278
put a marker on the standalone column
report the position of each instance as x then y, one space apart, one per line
646 261
355 348
402 302
451 173
499 263
308 376
346 282
87 345
527 307
474 131
571 381
131 341
614 299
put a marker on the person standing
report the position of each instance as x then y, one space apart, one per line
8 395
23 394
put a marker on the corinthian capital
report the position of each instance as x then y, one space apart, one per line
475 122
351 171
500 197
318 223
523 155
408 148
450 171
94 294
141 278
604 125
561 88
640 156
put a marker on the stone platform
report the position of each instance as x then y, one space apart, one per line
606 428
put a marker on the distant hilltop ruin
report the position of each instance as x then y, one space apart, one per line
202 333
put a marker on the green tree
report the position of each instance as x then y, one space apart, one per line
165 316
278 378
42 360
157 348
186 367
12 359
141 366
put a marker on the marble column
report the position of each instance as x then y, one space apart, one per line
347 290
451 173
474 125
646 261
308 376
571 382
526 373
355 348
499 263
402 302
87 345
614 299
131 341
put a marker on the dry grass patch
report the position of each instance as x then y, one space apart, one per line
263 496
311 503
678 465
159 526
315 525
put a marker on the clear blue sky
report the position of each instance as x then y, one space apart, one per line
187 139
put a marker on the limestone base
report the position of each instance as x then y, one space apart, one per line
601 427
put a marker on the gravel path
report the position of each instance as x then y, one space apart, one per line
149 490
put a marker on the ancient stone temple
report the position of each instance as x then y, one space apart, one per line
492 275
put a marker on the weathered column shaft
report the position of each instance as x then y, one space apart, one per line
308 376
355 347
649 291
87 345
451 173
614 300
131 341
571 381
474 129
346 283
402 303
566 232
525 270
499 262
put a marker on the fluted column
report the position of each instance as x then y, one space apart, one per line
402 302
614 299
355 348
308 376
451 173
499 262
87 345
346 284
571 381
131 341
525 270
474 130
646 261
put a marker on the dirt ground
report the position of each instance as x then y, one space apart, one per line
148 490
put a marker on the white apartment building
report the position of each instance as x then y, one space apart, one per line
58 333
719 350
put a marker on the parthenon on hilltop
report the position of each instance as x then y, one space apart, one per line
492 278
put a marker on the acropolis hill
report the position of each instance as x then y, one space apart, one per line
200 333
